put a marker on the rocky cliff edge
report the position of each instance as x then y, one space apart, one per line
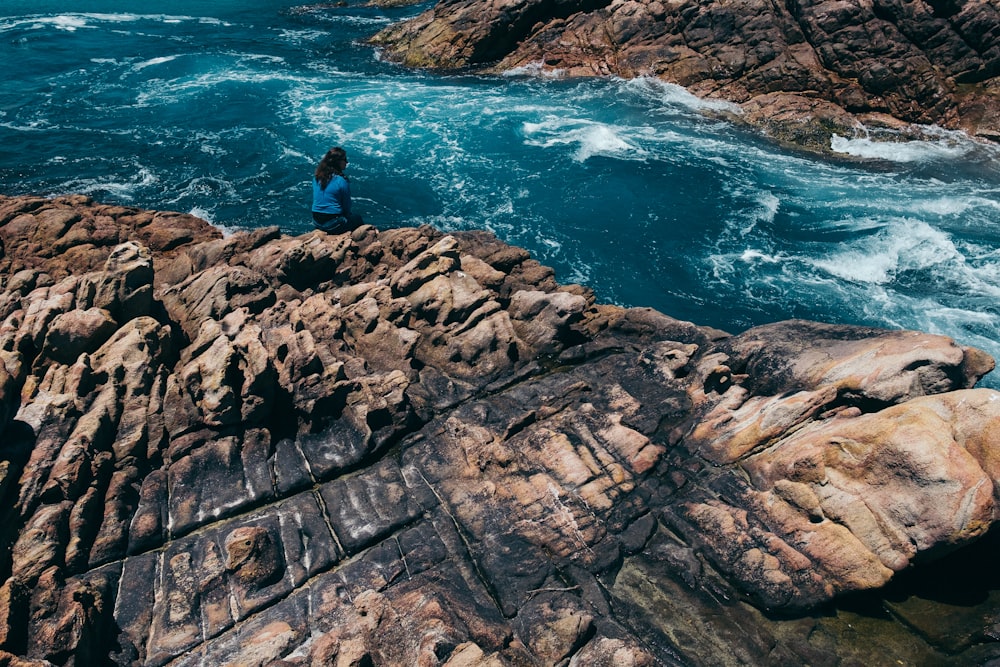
801 70
403 447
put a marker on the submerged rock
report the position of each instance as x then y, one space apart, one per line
402 447
801 70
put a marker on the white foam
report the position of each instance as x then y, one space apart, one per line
752 255
30 126
535 69
855 224
154 61
123 190
601 139
860 267
72 22
206 185
160 91
211 148
916 248
358 20
591 138
946 147
226 230
66 22
289 152
766 211
299 36
902 245
552 244
202 213
673 95
952 206
719 160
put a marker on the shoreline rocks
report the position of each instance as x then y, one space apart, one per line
800 71
404 447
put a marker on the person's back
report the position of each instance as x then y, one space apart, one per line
334 198
331 209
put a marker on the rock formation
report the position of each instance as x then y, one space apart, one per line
801 69
402 447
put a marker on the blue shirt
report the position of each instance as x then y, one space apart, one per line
335 199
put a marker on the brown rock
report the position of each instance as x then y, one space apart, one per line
65 616
469 654
252 555
41 543
10 660
211 294
13 612
605 652
558 629
401 447
77 331
543 320
72 234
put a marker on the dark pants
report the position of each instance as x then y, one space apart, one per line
336 223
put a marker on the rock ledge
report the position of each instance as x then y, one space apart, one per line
402 447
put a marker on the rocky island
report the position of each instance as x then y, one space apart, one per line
401 447
801 70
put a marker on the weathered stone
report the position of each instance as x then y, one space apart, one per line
41 544
125 287
66 616
13 612
148 527
542 320
77 331
428 452
364 509
605 652
207 483
253 556
213 293
559 627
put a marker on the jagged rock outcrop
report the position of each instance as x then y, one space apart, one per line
801 69
407 448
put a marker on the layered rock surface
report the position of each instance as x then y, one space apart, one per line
402 447
801 69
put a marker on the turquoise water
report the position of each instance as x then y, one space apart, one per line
223 108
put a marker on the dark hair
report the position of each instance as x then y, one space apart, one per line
330 165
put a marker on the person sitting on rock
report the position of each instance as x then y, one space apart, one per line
331 207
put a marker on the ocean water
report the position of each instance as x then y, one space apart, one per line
222 108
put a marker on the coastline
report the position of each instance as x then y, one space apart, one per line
799 73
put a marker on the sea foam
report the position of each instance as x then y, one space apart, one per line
671 94
535 69
946 146
908 244
591 138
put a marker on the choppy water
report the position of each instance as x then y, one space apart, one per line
222 108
